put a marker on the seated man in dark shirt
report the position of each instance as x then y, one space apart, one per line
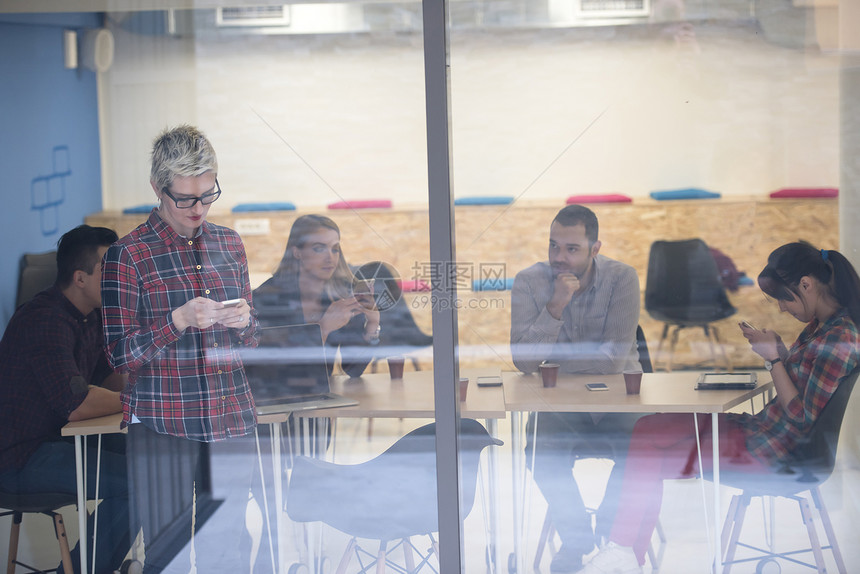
53 370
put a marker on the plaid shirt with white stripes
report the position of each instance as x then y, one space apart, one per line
189 384
821 356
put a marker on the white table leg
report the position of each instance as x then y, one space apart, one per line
313 530
715 450
517 461
321 433
306 439
265 509
82 499
96 509
275 435
492 460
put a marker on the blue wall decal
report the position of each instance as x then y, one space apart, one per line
49 151
47 192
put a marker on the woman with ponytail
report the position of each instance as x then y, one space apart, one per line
817 287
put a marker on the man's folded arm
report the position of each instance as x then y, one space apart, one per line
98 402
534 331
609 354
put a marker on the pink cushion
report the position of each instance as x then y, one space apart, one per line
786 192
360 204
599 198
412 285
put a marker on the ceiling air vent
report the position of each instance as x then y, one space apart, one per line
253 16
612 8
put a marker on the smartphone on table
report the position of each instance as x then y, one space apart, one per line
596 386
490 381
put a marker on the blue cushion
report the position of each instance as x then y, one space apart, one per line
361 204
145 208
493 284
686 193
485 200
271 206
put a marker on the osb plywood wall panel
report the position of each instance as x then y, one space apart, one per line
516 236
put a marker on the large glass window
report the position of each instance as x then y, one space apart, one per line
364 130
601 104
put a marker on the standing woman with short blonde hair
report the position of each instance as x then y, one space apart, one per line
163 285
165 323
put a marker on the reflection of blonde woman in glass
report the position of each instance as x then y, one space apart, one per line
313 284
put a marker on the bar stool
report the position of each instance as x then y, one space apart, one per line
42 503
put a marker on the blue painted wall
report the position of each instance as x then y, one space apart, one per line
49 143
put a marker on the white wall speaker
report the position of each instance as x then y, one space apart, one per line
70 49
97 49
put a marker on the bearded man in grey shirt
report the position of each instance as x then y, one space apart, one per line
580 310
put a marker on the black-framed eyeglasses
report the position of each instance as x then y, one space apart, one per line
189 202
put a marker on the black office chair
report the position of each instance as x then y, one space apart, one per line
812 464
44 503
37 271
400 332
604 449
389 498
642 349
683 289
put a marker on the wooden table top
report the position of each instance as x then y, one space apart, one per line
411 397
660 392
98 425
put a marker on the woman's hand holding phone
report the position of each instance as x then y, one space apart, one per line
764 343
342 311
748 330
746 327
204 313
339 313
234 314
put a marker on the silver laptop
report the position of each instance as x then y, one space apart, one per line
288 371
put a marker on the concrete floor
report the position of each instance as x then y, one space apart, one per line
683 518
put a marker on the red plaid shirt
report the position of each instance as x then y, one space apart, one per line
189 384
816 362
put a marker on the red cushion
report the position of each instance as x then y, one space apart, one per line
412 285
360 204
603 198
805 192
